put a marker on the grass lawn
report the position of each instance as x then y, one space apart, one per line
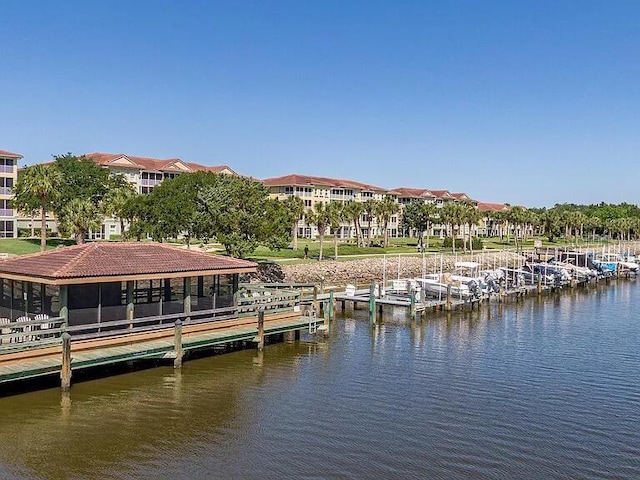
22 246
396 245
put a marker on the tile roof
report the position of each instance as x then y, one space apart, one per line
442 194
161 165
118 260
462 196
406 192
309 180
493 207
5 154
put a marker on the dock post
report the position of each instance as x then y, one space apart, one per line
177 344
330 309
539 284
447 305
260 329
65 372
315 299
412 307
130 301
372 303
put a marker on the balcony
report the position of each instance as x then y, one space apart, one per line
6 212
7 168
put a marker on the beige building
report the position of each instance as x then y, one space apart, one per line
314 190
143 173
8 178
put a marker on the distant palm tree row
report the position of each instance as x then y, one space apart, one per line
461 220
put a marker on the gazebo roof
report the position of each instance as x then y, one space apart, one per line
102 262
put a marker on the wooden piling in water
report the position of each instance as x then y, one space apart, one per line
331 302
372 303
65 372
447 304
177 344
260 337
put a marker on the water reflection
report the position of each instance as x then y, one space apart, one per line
543 388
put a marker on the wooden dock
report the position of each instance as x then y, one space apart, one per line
33 363
366 298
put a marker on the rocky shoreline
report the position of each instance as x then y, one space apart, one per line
366 270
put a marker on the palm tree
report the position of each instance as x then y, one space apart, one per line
370 208
319 216
384 210
79 217
295 208
353 211
429 212
470 216
335 216
451 214
115 202
517 217
39 183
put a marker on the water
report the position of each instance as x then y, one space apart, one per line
542 389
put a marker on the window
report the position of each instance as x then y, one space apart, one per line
6 184
6 208
6 165
6 229
307 203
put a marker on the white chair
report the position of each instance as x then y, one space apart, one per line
43 326
25 330
5 330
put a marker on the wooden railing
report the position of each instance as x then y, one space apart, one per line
147 324
251 299
29 334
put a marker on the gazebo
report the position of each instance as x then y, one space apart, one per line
94 283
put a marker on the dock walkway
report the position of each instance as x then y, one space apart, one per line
83 357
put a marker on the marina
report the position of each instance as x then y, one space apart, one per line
64 314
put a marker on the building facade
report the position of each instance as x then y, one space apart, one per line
143 173
313 190
8 178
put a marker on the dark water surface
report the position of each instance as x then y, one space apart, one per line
542 389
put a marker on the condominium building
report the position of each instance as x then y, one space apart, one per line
8 178
145 173
314 190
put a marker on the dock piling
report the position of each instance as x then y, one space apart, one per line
177 344
260 329
65 372
372 303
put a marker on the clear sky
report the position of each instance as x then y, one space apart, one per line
528 102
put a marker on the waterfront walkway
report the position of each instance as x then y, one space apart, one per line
34 363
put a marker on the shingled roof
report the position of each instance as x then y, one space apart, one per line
104 262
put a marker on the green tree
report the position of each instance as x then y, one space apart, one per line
384 210
319 216
418 215
471 217
82 178
370 208
295 209
38 185
78 218
116 198
452 215
335 216
238 212
353 212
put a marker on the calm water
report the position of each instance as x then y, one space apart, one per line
543 389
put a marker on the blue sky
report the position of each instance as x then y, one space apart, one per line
527 102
